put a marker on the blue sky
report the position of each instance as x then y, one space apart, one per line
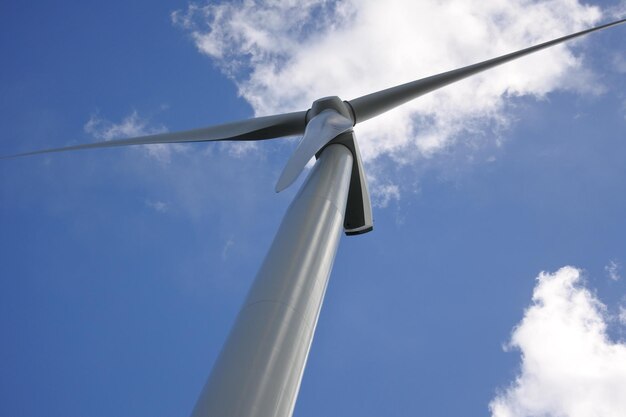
121 270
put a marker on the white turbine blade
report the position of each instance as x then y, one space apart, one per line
260 128
319 131
373 104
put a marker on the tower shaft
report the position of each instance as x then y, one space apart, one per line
259 370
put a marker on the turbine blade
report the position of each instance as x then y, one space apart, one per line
260 128
320 130
371 105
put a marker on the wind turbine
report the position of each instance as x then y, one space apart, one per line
260 368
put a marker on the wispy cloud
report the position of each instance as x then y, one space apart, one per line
622 315
130 126
613 270
241 149
569 365
618 11
619 62
283 55
158 206
227 246
383 194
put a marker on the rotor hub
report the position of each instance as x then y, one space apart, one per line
332 103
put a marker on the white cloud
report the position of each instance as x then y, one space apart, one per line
569 366
618 11
241 149
227 246
284 54
130 126
613 269
619 62
622 315
383 194
158 206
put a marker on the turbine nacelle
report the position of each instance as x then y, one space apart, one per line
358 218
331 103
330 121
